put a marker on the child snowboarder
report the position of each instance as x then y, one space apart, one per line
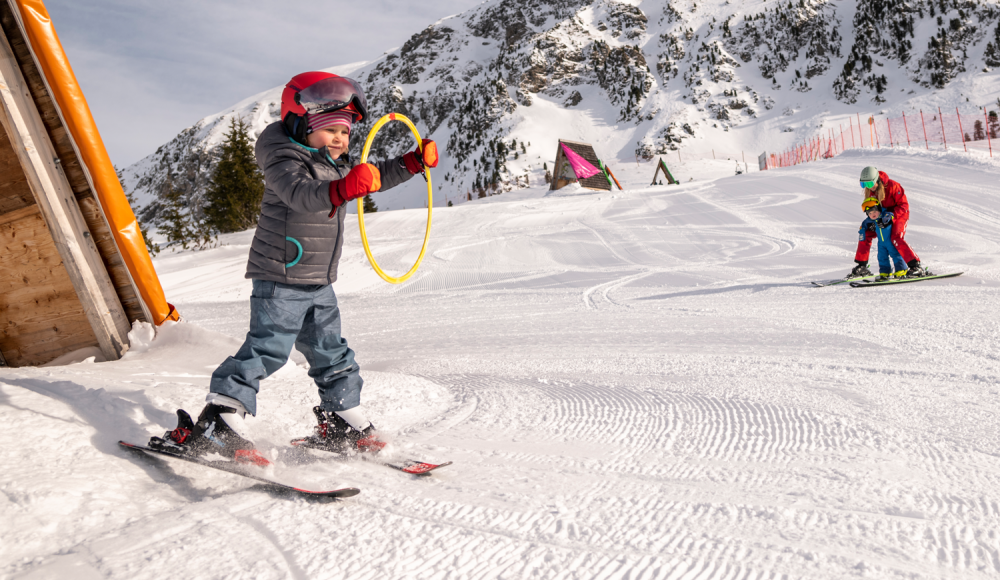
880 222
891 196
309 179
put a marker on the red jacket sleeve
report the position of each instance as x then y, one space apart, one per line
895 198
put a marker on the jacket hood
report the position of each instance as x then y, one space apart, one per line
274 139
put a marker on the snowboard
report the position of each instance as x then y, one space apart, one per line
410 466
890 282
243 470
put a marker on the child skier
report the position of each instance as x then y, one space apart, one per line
880 222
890 196
309 179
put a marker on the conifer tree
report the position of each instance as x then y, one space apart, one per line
992 54
174 219
369 205
232 201
179 223
151 247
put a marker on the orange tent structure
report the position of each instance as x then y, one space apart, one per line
74 270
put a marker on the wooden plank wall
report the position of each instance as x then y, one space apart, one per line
41 317
71 167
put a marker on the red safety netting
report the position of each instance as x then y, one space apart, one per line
932 130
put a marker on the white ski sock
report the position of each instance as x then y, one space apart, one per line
355 418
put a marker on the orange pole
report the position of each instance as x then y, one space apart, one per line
961 131
924 125
907 129
988 131
613 177
944 137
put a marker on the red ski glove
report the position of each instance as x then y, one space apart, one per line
362 180
426 156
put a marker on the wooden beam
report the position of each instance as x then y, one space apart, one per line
58 206
557 180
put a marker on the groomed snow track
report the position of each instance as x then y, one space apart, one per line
630 385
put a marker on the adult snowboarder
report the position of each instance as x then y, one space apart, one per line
891 197
309 178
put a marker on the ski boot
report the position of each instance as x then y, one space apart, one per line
860 271
916 270
220 429
899 275
336 435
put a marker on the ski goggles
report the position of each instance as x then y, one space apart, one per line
869 204
868 184
333 94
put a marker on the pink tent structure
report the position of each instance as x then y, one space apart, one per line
577 162
580 166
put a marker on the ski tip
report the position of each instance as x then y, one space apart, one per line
418 468
343 492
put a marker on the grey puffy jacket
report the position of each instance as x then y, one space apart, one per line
296 208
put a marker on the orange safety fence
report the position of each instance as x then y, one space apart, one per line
76 115
931 130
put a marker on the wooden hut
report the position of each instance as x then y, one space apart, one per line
74 270
563 173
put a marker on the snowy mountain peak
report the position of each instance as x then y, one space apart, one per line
498 84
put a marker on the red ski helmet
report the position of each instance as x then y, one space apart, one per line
319 92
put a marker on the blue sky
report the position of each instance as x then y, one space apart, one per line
150 69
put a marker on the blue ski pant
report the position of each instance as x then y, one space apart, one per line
283 316
886 250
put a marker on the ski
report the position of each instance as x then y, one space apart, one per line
237 469
824 283
410 466
890 282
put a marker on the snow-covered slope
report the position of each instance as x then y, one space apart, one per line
631 385
499 84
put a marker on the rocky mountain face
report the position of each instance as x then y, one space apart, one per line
641 79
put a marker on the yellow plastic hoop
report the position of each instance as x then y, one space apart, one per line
361 209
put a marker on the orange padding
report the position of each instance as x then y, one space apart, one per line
48 51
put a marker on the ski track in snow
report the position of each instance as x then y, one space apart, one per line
630 385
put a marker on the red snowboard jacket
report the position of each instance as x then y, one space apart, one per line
895 198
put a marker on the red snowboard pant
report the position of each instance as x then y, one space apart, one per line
898 231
